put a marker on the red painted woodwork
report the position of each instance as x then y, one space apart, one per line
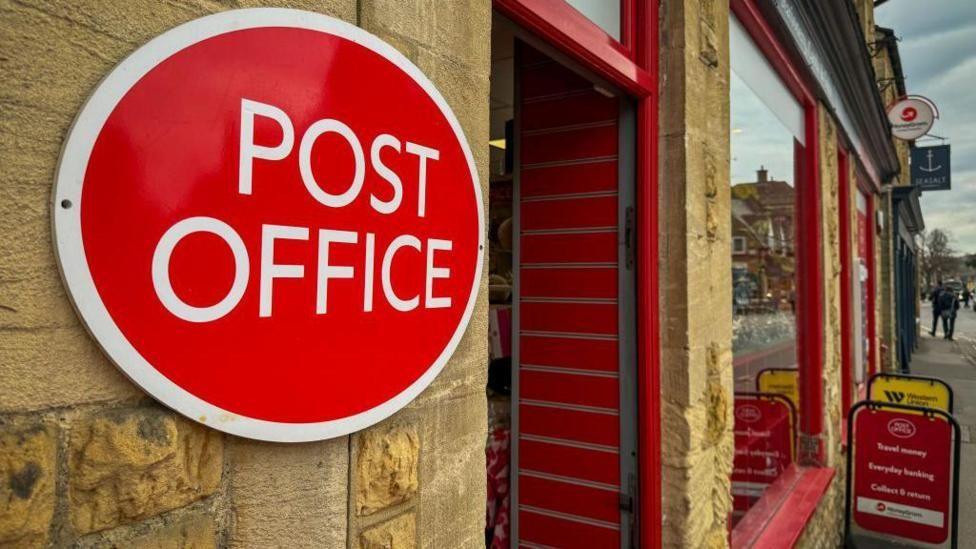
846 279
572 33
582 248
569 300
569 425
588 283
557 532
596 176
558 24
873 366
648 329
585 464
781 514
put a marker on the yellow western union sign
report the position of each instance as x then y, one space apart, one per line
778 381
925 392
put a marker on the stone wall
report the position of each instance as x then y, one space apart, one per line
887 327
86 459
696 355
826 526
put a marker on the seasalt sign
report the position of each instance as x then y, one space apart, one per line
902 475
271 221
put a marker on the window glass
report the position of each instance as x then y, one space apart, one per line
605 13
755 71
763 224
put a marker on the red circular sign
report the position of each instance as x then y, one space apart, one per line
909 114
272 222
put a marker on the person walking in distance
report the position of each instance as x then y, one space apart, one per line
936 311
965 297
948 305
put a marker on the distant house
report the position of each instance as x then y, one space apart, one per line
763 254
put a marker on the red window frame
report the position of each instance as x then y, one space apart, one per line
810 283
631 64
870 189
866 188
846 299
783 512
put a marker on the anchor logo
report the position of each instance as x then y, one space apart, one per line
930 168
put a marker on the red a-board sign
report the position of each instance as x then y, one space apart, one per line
764 445
902 469
272 222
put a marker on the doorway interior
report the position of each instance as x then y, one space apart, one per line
562 389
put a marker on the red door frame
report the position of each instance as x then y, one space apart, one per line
810 283
631 65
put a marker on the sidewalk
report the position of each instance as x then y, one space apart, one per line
955 363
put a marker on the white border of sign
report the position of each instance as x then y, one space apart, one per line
70 251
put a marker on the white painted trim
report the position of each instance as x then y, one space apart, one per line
70 251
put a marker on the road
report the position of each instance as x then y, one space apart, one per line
955 362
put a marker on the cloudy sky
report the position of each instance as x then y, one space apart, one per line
938 53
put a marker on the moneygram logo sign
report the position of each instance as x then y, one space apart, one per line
901 428
748 413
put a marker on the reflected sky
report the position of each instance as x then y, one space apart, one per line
758 138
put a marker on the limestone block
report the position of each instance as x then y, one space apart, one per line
45 368
289 495
127 465
411 19
397 533
452 467
27 473
386 468
717 399
196 532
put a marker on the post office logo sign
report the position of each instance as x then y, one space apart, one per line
271 221
901 428
748 413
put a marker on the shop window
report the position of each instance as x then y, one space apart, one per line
767 148
605 13
739 245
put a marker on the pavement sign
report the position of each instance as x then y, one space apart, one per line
927 392
780 381
765 445
902 482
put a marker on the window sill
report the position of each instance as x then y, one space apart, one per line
782 513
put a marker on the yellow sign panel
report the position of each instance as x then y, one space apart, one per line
784 382
928 393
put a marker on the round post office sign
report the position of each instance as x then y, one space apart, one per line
271 221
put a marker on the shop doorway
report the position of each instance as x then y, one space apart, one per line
562 290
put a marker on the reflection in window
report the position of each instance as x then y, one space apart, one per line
763 294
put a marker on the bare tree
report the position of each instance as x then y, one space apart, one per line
936 256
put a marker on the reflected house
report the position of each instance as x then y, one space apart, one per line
763 258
